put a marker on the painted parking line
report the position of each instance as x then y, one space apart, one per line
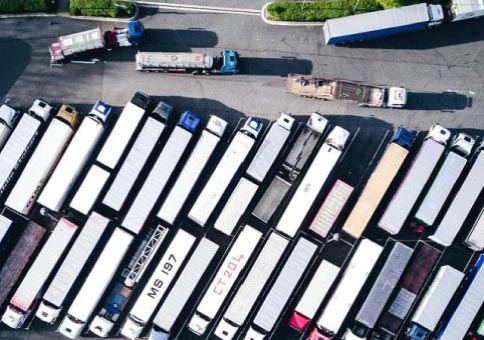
198 8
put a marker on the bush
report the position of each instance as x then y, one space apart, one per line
104 8
25 6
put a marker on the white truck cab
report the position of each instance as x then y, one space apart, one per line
157 333
463 144
338 137
101 326
317 122
7 115
198 323
47 312
132 328
13 318
216 125
41 109
226 330
71 327
397 97
436 15
252 334
439 134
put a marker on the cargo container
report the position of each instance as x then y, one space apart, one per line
24 298
379 182
434 303
251 288
158 284
445 180
5 224
475 239
88 192
282 289
23 138
197 161
463 201
73 264
96 283
291 167
161 172
136 159
312 183
380 292
411 284
232 159
332 205
44 159
222 282
354 277
75 157
8 116
183 289
467 307
415 179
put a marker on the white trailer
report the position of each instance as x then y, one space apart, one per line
75 157
434 303
96 283
72 44
158 284
251 288
197 161
45 157
462 203
282 289
26 295
7 120
183 289
88 193
317 174
236 205
21 140
475 239
55 296
5 224
232 265
161 172
417 176
137 157
354 277
271 147
225 171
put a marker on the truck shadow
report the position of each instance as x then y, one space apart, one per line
445 101
275 66
12 49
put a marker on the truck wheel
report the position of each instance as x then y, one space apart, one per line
195 72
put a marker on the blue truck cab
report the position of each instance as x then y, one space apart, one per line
100 112
252 127
189 121
230 62
136 32
403 137
416 332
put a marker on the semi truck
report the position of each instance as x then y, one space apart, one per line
183 289
158 284
8 117
23 138
475 238
379 182
161 172
68 46
434 303
55 296
445 180
75 157
222 282
194 166
332 205
354 277
411 284
463 201
284 285
313 181
232 159
291 167
380 292
44 159
96 283
25 297
195 63
137 156
365 95
415 179
251 288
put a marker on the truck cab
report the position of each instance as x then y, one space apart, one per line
100 112
41 109
7 115
226 329
189 121
337 138
227 62
71 327
462 144
253 334
436 15
252 127
157 333
47 312
396 97
163 110
415 332
439 134
198 323
318 334
403 137
13 317
136 32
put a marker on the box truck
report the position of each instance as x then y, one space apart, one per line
291 167
463 201
158 284
44 159
284 286
74 263
251 288
225 277
75 157
316 176
161 172
194 166
379 182
8 116
25 297
137 156
475 238
232 159
415 179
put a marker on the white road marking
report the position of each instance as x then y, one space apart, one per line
197 8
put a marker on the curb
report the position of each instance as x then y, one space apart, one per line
285 23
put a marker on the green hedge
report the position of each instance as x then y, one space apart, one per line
101 8
25 6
